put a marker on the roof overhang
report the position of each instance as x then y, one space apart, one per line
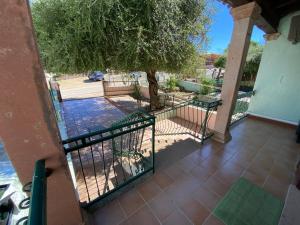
272 11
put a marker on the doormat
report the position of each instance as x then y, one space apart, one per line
248 204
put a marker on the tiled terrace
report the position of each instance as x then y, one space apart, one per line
190 179
97 170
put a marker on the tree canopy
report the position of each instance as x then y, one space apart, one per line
252 61
82 35
220 62
144 35
194 67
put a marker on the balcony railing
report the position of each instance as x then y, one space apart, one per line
37 189
107 160
241 106
192 117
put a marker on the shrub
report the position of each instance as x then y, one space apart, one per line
136 92
172 84
207 86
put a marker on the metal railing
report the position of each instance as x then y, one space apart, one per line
56 104
241 106
171 99
37 202
107 160
192 117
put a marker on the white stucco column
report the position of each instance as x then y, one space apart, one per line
244 17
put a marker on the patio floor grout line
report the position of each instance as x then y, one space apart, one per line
189 173
179 209
254 158
132 213
147 204
123 212
211 211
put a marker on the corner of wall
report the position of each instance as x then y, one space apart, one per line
278 79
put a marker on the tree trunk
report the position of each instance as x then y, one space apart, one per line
213 74
219 73
153 90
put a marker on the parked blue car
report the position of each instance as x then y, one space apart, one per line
96 76
135 75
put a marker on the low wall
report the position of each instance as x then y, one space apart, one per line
117 90
196 115
189 113
189 86
145 92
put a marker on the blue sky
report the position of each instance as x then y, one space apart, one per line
221 29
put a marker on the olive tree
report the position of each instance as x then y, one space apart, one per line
194 67
252 61
131 35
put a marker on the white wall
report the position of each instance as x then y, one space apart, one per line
278 82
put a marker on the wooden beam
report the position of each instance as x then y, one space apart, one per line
269 19
264 25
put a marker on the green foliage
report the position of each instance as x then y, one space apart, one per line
247 83
172 84
254 49
136 92
82 35
252 61
241 107
71 34
220 62
193 67
207 85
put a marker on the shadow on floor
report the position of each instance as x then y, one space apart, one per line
176 151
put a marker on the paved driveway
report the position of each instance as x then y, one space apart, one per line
85 115
78 88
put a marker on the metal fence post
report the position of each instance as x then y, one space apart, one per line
205 125
153 145
37 211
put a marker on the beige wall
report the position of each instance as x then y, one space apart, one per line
116 90
145 92
28 127
190 114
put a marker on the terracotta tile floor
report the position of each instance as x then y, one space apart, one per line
185 190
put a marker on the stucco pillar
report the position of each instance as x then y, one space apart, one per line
244 18
28 128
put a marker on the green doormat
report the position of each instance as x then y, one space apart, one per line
247 204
